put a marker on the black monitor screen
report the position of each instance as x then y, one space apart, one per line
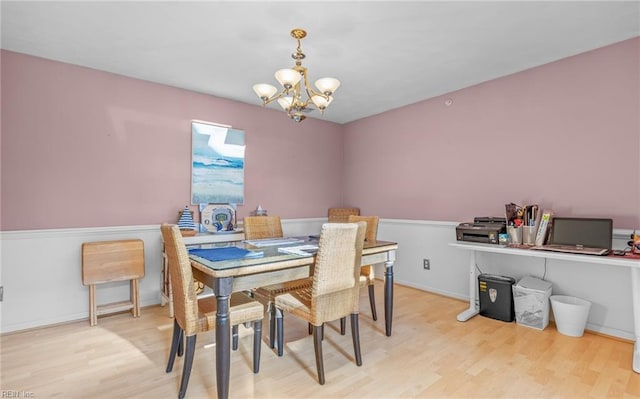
582 231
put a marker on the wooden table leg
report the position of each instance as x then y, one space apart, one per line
388 293
223 335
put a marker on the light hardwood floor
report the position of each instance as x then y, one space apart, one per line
429 355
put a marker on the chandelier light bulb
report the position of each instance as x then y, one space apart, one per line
321 102
327 86
285 102
288 77
264 91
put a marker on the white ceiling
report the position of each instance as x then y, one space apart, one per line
386 54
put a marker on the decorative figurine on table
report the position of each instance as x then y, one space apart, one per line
230 226
218 218
259 211
185 222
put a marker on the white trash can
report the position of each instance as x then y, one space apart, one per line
571 314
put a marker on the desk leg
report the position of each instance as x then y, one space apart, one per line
635 291
473 293
388 292
223 335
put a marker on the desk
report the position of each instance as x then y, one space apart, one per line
631 263
230 276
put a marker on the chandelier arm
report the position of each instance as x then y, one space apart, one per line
275 97
310 93
309 103
317 93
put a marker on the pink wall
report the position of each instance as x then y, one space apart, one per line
565 135
84 148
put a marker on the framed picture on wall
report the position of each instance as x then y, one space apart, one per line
217 164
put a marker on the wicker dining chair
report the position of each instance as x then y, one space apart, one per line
341 215
335 289
194 315
260 227
367 273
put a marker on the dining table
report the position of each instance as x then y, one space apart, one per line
269 262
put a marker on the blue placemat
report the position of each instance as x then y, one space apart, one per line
226 253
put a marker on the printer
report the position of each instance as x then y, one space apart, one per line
483 229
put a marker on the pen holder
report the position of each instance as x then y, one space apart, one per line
515 234
529 235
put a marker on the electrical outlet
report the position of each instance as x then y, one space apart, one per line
426 264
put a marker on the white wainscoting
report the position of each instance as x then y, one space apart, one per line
41 271
41 274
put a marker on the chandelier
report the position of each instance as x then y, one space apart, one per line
297 97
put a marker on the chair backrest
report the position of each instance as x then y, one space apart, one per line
372 225
335 287
257 227
185 301
341 215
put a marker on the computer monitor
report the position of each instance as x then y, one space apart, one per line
588 232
